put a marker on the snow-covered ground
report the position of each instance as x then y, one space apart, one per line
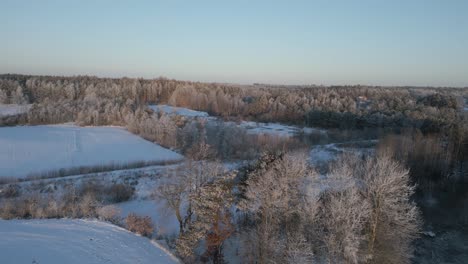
251 127
277 129
75 241
324 154
144 180
34 149
13 109
164 220
172 110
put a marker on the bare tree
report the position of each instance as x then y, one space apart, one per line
211 221
3 97
345 214
299 250
172 194
273 198
183 185
394 220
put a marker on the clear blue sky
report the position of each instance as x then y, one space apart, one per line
382 42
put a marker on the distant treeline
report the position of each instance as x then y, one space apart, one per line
437 113
333 106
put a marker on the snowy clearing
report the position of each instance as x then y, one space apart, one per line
323 154
256 128
277 129
172 110
37 149
13 109
163 218
75 241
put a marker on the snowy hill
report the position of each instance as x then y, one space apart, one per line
75 241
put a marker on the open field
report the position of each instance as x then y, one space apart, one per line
28 150
53 241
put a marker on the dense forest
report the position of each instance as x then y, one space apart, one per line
422 152
430 109
413 115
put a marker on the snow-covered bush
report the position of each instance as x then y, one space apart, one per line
120 192
141 225
109 213
9 191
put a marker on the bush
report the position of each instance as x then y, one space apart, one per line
139 224
120 192
87 200
91 187
7 210
109 213
89 205
10 191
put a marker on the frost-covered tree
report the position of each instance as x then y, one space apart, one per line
183 187
298 250
273 200
211 221
394 218
3 97
18 97
344 214
70 91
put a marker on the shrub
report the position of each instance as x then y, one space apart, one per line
139 224
92 188
88 205
109 213
10 191
120 192
7 210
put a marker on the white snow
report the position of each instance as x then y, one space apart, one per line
277 129
164 220
75 241
13 109
251 127
172 110
323 154
34 149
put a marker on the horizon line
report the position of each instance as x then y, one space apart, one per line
304 85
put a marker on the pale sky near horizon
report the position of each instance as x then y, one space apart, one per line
376 42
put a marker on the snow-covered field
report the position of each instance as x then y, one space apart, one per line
34 149
13 109
75 241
